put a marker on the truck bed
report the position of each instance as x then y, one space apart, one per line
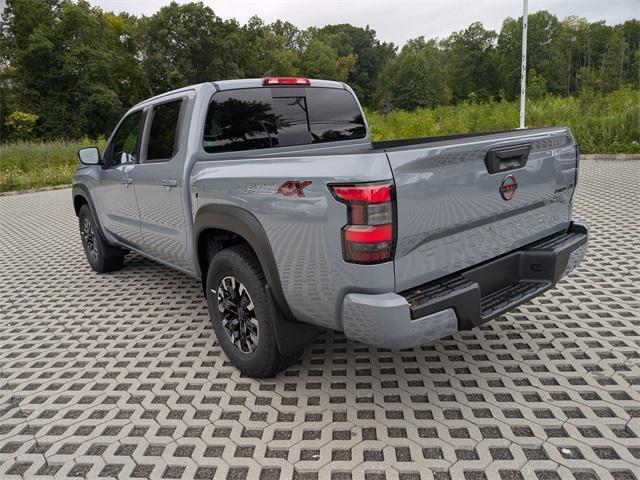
418 141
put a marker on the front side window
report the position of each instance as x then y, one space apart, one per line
123 148
256 118
163 133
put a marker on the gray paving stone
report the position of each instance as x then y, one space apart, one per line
120 375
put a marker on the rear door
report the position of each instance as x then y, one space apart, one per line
464 201
158 181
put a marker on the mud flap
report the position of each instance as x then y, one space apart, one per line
292 336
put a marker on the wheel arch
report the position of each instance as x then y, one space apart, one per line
78 201
237 225
81 196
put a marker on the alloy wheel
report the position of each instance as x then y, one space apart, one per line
89 238
237 314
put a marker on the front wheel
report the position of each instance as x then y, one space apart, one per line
101 256
241 313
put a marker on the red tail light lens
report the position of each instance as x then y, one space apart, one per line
375 193
369 236
285 81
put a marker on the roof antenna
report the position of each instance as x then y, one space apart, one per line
267 74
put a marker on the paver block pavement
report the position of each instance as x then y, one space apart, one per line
119 375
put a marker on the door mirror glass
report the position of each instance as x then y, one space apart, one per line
89 156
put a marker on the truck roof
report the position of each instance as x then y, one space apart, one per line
240 83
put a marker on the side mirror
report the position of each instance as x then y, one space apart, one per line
89 156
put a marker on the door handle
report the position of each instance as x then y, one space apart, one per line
169 183
127 181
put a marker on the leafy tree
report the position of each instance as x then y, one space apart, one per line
185 44
574 36
270 48
69 63
536 85
587 80
416 78
288 32
631 32
319 60
543 52
20 125
371 55
24 45
615 58
471 62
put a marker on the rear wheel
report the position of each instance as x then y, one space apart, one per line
241 313
101 256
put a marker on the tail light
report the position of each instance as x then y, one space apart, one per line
369 236
285 81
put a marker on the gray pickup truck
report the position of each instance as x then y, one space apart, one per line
271 192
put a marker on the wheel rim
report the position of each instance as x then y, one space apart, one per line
89 238
237 314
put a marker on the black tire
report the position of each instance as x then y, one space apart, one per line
265 360
101 256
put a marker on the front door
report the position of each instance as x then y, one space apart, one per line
118 205
158 181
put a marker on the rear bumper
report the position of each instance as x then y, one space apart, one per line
465 299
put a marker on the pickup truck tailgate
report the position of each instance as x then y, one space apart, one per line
461 202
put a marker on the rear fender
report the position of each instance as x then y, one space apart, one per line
291 335
241 222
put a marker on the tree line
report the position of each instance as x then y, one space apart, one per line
68 69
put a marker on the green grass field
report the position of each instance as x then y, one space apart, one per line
600 123
25 165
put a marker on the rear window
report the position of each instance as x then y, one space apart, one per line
255 118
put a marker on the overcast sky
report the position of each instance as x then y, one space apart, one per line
396 20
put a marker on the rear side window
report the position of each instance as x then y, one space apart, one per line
256 118
164 131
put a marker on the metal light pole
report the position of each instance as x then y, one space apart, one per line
523 70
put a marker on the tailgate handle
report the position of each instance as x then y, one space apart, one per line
501 159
